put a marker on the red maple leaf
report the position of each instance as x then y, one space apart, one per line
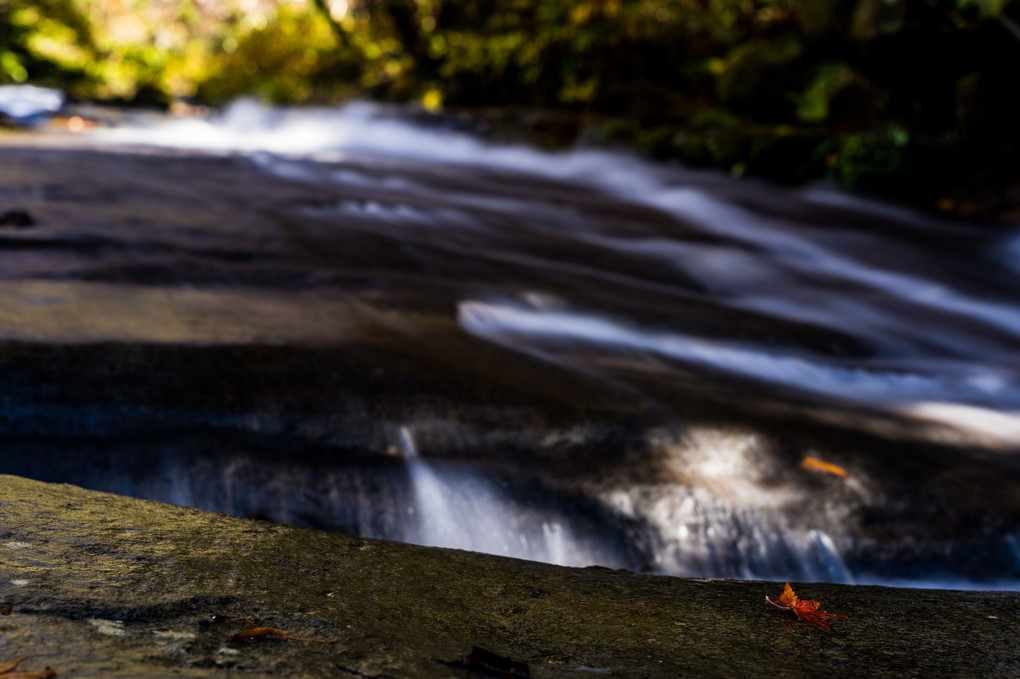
808 611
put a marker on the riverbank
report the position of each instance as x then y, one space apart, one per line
101 585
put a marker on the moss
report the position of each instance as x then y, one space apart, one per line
120 587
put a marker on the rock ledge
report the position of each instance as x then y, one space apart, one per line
94 584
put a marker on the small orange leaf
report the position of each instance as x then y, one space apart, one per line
816 465
807 611
7 668
9 665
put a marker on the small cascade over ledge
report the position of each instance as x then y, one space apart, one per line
456 508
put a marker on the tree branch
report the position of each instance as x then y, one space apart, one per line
338 30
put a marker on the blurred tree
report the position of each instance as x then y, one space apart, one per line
45 41
738 84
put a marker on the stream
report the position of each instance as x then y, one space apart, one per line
583 358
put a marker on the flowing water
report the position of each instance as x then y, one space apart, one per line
701 340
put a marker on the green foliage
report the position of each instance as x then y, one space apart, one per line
870 159
44 41
273 59
851 89
587 54
984 7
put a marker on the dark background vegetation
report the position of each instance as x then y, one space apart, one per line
918 100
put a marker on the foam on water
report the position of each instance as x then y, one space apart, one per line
799 253
1001 426
933 396
493 320
247 126
25 102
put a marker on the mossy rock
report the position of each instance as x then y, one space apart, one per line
101 585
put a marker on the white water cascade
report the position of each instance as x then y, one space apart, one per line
458 509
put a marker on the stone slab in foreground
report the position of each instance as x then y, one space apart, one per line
102 585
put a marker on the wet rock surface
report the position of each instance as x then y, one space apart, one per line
94 584
297 341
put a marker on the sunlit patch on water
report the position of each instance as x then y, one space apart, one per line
728 511
1001 427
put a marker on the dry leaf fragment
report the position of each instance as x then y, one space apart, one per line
808 611
269 633
9 665
7 669
814 464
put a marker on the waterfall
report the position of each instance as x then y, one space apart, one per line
458 509
580 358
